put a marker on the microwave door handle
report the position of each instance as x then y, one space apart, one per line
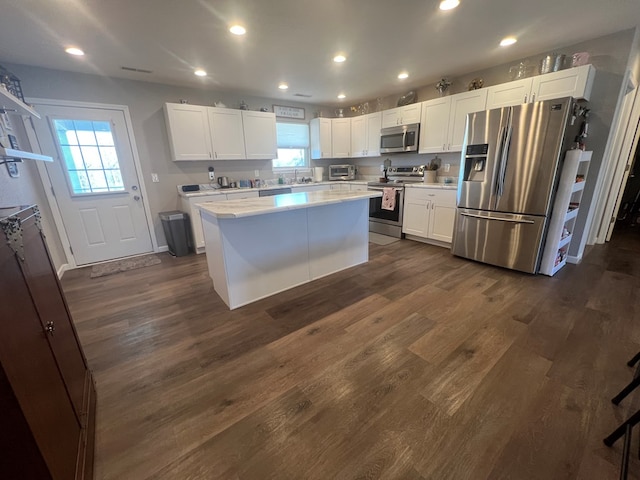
404 140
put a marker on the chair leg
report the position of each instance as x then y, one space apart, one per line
618 432
624 469
626 390
634 360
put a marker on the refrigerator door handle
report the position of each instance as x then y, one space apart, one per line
504 159
498 159
500 219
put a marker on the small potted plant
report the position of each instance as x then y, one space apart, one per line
431 171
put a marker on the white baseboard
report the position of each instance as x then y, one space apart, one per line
162 248
63 268
574 260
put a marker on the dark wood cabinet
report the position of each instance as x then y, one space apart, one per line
47 393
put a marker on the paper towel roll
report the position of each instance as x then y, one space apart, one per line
318 172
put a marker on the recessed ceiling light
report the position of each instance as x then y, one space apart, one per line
449 4
74 51
200 73
341 96
283 86
238 30
505 42
403 75
339 58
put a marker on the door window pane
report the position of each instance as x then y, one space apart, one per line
90 156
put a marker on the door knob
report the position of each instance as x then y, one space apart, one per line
135 187
136 197
50 327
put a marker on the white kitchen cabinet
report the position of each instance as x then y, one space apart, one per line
429 213
340 137
443 122
365 135
189 132
461 105
187 204
565 210
227 134
434 125
509 94
260 137
401 115
340 186
574 82
320 138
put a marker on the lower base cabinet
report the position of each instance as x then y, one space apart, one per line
429 214
47 393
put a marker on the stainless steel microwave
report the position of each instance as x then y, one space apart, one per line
342 172
403 138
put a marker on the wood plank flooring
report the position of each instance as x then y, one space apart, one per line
416 365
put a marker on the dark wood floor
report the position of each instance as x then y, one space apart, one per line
417 365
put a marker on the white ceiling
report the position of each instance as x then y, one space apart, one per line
295 40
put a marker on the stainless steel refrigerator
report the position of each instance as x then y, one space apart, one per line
508 174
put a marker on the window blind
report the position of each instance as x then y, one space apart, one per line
292 135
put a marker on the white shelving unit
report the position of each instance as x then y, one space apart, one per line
565 211
14 106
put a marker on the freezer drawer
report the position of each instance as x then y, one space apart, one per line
506 240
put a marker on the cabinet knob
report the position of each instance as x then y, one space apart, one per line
525 98
50 327
136 197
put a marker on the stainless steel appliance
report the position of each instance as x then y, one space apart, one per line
389 222
342 172
508 175
403 138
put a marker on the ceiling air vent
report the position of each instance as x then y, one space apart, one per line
302 95
139 70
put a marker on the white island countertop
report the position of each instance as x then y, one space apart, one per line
248 207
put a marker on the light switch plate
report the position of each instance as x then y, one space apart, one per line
447 167
211 176
256 173
154 178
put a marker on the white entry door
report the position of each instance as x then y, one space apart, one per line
95 181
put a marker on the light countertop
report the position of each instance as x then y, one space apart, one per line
248 207
206 190
440 186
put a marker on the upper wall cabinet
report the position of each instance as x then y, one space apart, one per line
443 121
227 134
189 133
320 133
260 137
340 137
365 135
401 115
197 132
575 82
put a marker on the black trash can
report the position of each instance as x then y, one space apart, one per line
177 232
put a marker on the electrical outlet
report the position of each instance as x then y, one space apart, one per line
256 173
447 167
211 176
154 178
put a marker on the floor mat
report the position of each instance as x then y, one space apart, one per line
123 265
381 239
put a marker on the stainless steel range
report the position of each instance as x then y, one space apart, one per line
385 221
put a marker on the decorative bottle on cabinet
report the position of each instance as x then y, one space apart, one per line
565 211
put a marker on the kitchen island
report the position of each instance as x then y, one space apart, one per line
257 247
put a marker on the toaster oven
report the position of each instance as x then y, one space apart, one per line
342 172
